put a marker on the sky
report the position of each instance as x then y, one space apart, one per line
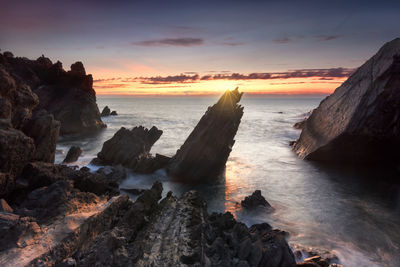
203 47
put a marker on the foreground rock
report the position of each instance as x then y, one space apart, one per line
73 154
67 95
59 224
131 148
359 122
203 155
255 200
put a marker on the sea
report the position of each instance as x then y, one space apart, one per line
353 212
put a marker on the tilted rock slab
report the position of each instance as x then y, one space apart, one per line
204 154
360 121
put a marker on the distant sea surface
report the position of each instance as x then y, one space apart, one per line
355 213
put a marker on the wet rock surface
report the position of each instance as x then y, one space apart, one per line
359 122
59 224
73 154
204 154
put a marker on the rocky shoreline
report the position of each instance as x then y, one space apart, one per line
56 215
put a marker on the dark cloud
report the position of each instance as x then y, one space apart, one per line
326 37
171 42
188 77
182 78
232 43
284 40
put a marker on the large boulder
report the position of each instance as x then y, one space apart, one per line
360 121
204 154
106 111
131 148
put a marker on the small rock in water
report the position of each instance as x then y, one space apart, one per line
106 111
114 113
4 206
255 200
73 154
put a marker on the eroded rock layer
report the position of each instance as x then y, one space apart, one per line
360 121
203 155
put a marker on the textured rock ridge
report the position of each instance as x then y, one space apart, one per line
203 155
360 121
91 230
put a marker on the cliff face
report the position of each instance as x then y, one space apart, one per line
360 121
203 155
67 95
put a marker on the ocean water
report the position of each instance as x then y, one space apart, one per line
354 213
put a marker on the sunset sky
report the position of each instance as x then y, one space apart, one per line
202 47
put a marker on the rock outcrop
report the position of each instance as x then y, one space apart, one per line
131 148
106 111
203 155
360 121
255 200
73 154
60 224
40 84
113 113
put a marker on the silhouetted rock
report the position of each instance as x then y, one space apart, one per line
255 200
106 111
359 122
73 154
115 173
130 148
68 96
44 130
113 113
204 154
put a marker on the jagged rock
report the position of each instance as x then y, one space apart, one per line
4 207
106 111
44 130
130 148
359 122
73 154
204 154
113 113
68 96
40 174
86 231
255 200
16 150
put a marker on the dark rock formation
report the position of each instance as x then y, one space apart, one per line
311 256
131 148
73 154
113 113
58 223
255 200
203 155
299 125
113 173
68 96
359 122
106 111
44 130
